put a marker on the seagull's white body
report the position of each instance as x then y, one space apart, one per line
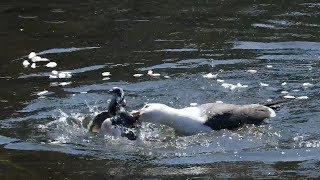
206 117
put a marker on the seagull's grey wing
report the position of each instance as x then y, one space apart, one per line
230 116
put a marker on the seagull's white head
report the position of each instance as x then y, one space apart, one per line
153 112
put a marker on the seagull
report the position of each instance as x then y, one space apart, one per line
204 118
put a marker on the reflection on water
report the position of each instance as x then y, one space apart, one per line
41 135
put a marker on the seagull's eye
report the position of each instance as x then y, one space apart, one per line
146 106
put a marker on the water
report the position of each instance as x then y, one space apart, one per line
182 40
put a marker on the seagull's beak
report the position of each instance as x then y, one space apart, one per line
136 115
111 91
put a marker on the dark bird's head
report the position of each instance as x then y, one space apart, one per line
118 93
117 101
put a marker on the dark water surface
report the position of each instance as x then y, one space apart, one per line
181 40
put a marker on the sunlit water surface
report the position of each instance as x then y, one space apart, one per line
271 48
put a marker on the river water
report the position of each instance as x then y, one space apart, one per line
182 41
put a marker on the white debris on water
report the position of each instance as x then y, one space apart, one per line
42 93
55 72
32 55
210 76
33 65
307 85
289 97
252 71
54 84
105 78
303 97
64 74
106 74
220 80
219 102
166 76
25 63
84 92
36 59
193 104
156 74
269 100
44 59
64 83
53 76
51 64
269 66
284 83
284 92
264 84
150 72
296 90
137 75
232 86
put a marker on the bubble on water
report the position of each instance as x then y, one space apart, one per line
51 64
269 66
264 84
284 92
166 76
284 83
210 76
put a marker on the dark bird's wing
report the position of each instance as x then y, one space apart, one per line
97 121
230 116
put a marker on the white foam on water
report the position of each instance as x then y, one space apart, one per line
210 76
